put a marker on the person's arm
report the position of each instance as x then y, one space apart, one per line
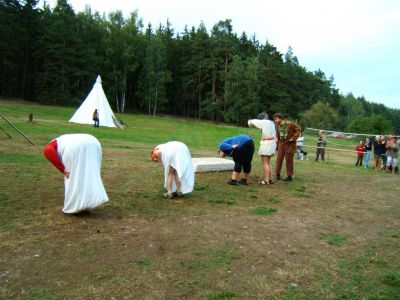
297 132
50 152
256 123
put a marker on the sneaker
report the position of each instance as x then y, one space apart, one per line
278 176
178 194
289 178
232 182
271 181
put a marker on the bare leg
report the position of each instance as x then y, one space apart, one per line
266 162
177 182
170 179
235 175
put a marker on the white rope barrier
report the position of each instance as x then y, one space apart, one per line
309 146
347 133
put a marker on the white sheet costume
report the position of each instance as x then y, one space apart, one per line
177 155
81 155
268 136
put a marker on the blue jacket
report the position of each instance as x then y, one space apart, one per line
226 145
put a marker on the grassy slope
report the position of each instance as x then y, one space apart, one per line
333 233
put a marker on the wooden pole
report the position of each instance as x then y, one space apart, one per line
9 122
5 132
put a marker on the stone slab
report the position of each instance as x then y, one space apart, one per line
212 164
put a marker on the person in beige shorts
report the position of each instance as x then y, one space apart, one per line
267 144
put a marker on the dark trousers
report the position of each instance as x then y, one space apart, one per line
384 159
243 157
282 154
96 122
359 161
320 151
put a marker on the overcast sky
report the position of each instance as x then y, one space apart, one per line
356 41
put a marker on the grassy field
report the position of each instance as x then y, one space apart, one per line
333 233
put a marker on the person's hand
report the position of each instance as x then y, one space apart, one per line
66 174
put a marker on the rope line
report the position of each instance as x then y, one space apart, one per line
309 146
347 133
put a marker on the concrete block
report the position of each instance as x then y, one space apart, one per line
212 164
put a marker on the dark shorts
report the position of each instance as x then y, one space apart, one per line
243 157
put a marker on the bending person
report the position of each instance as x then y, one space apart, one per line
178 168
267 144
78 157
241 149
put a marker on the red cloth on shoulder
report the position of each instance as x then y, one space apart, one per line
50 152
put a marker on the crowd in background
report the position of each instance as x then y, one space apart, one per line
385 150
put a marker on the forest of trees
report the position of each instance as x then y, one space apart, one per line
53 55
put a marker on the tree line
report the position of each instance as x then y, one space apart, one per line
52 56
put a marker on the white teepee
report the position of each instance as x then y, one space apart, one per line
95 100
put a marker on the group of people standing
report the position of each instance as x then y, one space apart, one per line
78 157
301 154
385 151
280 136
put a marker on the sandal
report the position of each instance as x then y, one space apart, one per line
271 181
178 194
169 195
243 181
264 182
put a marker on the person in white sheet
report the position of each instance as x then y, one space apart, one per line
178 168
78 157
267 144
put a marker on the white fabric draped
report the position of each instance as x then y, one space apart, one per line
177 155
81 155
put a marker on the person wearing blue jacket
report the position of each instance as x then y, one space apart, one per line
241 149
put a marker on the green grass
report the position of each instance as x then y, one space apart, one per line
221 295
333 239
144 262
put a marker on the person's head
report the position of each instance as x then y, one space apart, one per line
321 132
224 149
361 142
382 137
262 116
367 139
278 118
155 154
